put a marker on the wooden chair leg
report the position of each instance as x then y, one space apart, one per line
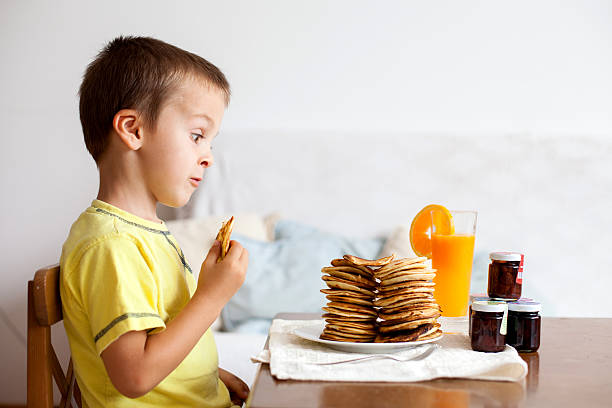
40 385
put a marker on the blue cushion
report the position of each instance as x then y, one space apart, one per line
285 275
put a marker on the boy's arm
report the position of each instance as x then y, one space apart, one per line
137 362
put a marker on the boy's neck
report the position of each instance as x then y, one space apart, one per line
121 192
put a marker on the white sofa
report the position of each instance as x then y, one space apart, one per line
548 197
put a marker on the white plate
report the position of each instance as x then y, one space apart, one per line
312 333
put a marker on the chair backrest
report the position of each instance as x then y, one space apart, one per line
44 310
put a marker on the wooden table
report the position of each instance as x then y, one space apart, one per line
573 367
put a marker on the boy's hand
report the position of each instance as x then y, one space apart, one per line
237 388
220 280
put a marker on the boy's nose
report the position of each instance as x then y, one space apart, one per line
207 160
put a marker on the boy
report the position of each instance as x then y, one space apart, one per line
137 322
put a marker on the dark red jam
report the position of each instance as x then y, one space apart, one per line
524 326
505 275
487 331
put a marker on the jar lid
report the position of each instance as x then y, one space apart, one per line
525 306
490 306
505 256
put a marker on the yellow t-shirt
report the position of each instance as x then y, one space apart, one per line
119 272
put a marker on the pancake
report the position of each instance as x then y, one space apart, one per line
340 315
348 329
349 269
407 325
405 303
406 290
352 307
434 335
365 325
337 283
349 293
350 313
404 335
223 236
349 299
409 316
402 263
335 337
358 280
412 272
406 284
344 262
406 279
368 262
392 300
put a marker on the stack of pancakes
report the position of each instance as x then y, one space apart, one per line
406 306
350 314
399 294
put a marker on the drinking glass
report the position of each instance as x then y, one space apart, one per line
452 257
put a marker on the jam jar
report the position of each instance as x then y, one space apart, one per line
524 325
475 298
505 275
488 326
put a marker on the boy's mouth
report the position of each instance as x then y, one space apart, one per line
195 181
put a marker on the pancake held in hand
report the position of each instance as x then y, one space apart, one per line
223 236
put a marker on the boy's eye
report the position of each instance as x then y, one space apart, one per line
196 137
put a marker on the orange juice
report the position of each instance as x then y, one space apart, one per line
452 257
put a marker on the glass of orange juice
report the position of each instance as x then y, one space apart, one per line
452 253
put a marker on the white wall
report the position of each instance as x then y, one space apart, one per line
465 67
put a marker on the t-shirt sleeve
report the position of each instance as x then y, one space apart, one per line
118 290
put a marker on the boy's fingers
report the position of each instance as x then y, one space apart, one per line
244 257
235 250
213 253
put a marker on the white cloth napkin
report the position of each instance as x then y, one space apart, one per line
291 357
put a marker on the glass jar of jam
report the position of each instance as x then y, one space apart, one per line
505 275
488 326
524 325
475 298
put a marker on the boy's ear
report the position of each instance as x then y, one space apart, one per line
127 123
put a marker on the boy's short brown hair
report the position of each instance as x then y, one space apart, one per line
136 73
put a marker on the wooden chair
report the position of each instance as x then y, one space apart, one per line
44 310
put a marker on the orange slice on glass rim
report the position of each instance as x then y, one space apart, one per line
421 227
